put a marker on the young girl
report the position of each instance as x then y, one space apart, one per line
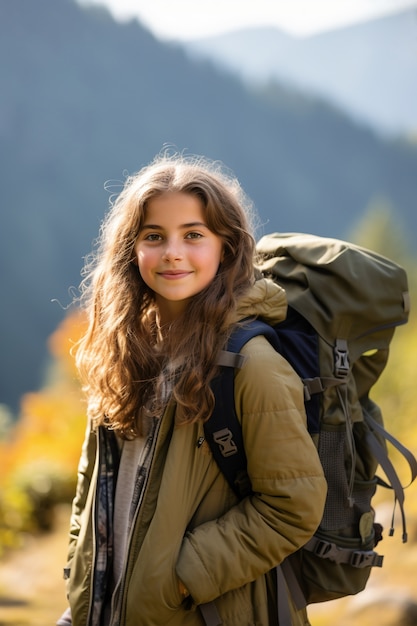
157 535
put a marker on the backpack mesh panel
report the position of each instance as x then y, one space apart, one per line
337 513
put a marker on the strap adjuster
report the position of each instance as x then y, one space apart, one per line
341 359
356 558
366 559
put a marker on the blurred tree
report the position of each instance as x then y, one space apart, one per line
381 229
40 452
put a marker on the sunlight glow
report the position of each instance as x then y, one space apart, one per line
187 19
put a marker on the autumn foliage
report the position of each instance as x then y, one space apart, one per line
39 454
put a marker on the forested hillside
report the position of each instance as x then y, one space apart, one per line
368 68
84 99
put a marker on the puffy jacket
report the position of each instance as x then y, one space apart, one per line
190 525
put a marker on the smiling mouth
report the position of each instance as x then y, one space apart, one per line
173 274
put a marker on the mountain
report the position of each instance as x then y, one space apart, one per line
369 69
85 100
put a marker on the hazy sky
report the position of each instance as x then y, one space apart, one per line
190 19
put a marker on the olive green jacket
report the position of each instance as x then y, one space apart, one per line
190 525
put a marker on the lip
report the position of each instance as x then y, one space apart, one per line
174 274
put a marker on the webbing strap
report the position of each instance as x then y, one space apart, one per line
405 452
231 359
284 611
395 484
348 556
293 585
210 614
319 384
381 456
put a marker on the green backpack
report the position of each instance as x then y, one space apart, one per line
344 305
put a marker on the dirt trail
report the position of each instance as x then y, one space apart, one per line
32 591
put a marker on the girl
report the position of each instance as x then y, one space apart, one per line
156 532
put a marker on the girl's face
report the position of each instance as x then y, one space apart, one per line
177 255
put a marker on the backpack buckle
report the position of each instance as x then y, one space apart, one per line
327 550
224 439
366 559
341 359
356 558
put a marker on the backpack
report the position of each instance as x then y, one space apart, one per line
344 303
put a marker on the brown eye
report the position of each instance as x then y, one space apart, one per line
152 237
193 235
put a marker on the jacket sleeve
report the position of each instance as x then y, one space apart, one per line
85 472
289 487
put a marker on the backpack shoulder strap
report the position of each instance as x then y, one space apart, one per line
223 431
248 329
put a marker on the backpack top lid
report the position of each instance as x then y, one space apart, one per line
343 290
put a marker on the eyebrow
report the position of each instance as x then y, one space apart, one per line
189 225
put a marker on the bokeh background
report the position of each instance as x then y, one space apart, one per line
315 112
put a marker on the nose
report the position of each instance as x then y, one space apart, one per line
173 250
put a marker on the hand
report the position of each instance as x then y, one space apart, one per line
183 589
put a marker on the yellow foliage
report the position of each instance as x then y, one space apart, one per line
396 389
65 337
40 453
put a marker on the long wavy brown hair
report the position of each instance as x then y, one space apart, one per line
123 364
